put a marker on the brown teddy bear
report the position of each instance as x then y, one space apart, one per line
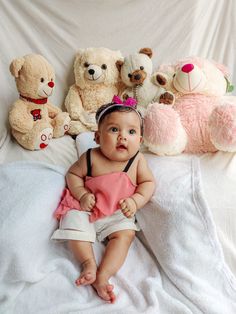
33 120
96 82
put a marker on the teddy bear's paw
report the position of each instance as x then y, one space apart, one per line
222 125
43 138
61 124
167 98
76 127
161 79
163 131
88 118
74 112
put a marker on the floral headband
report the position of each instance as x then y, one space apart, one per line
117 102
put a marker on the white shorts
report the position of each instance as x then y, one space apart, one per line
75 225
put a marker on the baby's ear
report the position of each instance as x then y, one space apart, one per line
97 137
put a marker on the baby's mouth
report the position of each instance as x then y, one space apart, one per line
121 147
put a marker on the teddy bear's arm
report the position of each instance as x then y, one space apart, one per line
73 103
128 92
52 110
76 110
19 117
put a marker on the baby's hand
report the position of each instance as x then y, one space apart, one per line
87 202
128 207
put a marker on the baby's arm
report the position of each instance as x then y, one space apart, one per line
75 181
143 192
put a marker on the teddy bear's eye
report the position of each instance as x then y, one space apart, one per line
86 64
141 68
42 80
129 75
174 75
51 79
104 66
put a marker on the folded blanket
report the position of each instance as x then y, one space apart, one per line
181 233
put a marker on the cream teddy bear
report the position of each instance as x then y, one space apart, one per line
203 117
33 120
96 82
136 73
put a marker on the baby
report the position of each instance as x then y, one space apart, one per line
107 185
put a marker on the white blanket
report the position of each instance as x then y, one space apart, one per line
181 233
37 275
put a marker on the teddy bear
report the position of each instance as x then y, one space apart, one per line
96 82
136 73
33 119
203 117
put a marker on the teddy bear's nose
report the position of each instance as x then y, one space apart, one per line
187 67
137 77
51 84
91 71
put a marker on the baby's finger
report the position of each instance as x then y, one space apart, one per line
90 205
129 214
92 202
125 210
122 201
123 205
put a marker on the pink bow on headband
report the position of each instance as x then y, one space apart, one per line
129 102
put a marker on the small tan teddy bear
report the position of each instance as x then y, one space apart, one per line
96 82
33 120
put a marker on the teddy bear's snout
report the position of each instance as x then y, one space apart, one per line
94 73
138 76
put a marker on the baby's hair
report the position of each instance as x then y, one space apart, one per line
107 109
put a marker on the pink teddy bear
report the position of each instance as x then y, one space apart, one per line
202 119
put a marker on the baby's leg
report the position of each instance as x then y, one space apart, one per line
83 252
114 257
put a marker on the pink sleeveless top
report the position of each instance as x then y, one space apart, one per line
108 189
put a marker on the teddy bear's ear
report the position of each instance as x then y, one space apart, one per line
79 53
16 65
146 51
119 64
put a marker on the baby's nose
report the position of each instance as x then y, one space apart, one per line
122 136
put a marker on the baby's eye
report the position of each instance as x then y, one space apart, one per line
114 129
132 131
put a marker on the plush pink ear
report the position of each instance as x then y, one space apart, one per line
146 51
16 65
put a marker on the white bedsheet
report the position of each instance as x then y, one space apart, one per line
37 275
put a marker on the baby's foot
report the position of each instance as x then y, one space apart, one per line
104 289
88 274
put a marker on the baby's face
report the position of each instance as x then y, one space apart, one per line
119 135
